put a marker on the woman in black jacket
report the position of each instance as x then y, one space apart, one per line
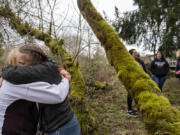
135 55
159 68
178 65
54 119
18 110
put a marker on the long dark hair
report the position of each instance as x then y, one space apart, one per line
37 55
162 56
131 51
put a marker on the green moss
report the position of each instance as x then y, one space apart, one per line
77 83
67 64
67 57
47 40
77 64
21 29
52 43
60 42
88 128
144 85
38 34
157 113
99 85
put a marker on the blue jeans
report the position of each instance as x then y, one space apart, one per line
70 128
159 81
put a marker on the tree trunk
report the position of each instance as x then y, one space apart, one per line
158 115
88 126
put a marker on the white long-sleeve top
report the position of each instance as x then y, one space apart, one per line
41 92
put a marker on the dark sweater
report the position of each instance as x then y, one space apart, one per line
21 118
159 68
178 68
52 117
141 63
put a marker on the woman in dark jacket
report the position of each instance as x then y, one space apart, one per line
159 69
54 119
135 55
178 65
18 110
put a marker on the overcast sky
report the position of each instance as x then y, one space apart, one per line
71 10
108 6
70 6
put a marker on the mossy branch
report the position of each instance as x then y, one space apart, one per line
55 46
159 116
86 121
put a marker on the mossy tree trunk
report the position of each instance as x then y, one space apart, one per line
158 115
86 121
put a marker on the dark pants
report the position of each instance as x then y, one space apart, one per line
129 102
159 81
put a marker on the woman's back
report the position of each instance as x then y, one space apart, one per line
17 116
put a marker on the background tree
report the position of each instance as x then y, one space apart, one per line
159 116
155 24
26 28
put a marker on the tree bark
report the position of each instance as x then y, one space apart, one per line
88 126
158 115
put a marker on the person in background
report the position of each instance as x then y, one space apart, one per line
136 56
178 65
159 68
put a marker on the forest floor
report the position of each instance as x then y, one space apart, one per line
110 108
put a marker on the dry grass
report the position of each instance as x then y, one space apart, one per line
171 90
109 109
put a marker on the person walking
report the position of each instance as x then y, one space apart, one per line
159 68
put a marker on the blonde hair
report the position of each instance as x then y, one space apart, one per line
12 57
178 54
35 55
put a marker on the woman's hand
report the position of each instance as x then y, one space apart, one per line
1 80
178 72
65 74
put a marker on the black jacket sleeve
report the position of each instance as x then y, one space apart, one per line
178 68
46 72
166 67
152 66
178 65
144 67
